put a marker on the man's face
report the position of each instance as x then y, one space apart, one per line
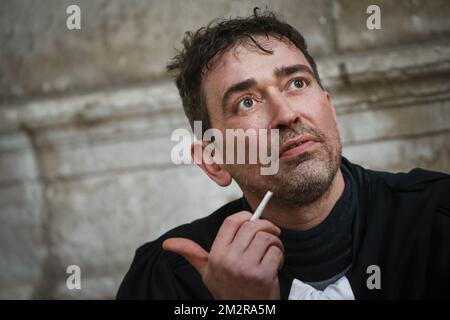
247 88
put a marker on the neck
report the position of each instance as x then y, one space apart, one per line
307 216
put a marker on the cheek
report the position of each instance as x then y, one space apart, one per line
252 121
325 121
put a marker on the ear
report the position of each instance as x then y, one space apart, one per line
330 103
208 164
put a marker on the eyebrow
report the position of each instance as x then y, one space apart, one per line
281 72
238 87
288 70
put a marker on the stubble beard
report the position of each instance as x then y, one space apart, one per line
300 181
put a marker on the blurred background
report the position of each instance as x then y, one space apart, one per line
86 117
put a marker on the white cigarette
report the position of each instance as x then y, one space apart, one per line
261 206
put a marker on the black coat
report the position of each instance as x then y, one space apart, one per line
401 225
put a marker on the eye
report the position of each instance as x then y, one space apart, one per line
245 103
297 84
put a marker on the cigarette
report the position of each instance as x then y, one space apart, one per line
261 206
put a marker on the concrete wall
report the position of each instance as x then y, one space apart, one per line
86 117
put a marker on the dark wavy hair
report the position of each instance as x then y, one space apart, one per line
212 41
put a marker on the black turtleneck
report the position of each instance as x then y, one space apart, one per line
321 255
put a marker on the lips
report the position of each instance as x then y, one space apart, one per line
294 147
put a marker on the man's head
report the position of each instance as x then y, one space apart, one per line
200 47
256 73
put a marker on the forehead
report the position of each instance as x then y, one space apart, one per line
246 61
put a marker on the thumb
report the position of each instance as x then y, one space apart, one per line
190 250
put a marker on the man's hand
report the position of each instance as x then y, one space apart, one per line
244 259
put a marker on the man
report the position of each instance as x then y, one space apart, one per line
332 230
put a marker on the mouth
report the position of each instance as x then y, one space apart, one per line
297 146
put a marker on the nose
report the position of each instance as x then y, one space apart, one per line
281 111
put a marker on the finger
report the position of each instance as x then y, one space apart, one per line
190 250
228 230
273 259
260 245
248 230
